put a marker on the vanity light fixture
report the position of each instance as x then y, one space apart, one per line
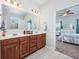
35 11
14 3
8 1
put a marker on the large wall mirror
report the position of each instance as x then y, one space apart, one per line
19 19
12 17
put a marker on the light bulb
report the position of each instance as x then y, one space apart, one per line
8 1
15 3
65 15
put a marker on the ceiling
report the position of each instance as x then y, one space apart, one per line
30 4
74 9
39 2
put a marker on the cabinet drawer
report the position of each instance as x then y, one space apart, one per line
39 46
22 39
32 38
10 41
33 49
43 35
24 49
32 41
32 44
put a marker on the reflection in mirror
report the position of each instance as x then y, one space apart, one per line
32 23
67 31
29 25
18 21
13 23
12 18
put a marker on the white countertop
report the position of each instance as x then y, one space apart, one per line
19 35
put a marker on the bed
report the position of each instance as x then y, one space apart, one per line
71 38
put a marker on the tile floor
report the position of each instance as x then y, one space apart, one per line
46 53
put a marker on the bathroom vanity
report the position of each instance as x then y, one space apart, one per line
20 46
15 44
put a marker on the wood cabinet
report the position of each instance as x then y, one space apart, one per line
41 41
10 49
20 47
0 51
24 46
33 43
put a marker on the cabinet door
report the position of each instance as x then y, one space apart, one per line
11 51
41 40
24 46
32 41
33 49
33 44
